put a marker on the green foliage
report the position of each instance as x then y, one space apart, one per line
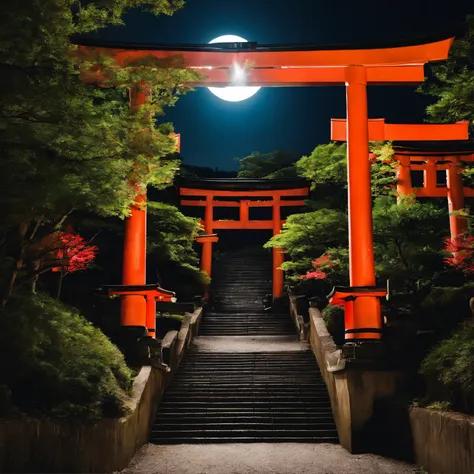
306 236
66 145
333 317
452 360
57 364
442 406
383 170
277 164
453 82
443 301
326 164
408 240
171 237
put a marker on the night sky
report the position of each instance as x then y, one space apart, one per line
215 132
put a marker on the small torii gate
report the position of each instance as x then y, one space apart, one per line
428 148
247 194
429 158
276 66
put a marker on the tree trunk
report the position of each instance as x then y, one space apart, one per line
11 285
60 284
23 228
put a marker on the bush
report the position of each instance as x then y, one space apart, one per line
452 364
445 307
334 318
56 364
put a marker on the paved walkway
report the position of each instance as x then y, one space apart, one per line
258 458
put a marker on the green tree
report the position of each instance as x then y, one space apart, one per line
277 164
66 145
306 236
452 82
171 237
327 164
408 241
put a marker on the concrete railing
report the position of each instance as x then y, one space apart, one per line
443 441
298 320
105 446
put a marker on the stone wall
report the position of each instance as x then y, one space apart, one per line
106 446
353 391
443 441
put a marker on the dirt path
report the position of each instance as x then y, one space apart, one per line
287 458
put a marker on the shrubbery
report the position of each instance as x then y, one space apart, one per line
333 316
63 366
452 364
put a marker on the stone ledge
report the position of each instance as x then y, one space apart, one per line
29 445
298 320
443 441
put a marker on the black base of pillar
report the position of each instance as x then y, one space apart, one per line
371 353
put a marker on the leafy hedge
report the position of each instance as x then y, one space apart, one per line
333 316
451 363
56 364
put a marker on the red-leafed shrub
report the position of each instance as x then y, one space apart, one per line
74 253
461 250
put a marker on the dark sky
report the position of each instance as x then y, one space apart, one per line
214 132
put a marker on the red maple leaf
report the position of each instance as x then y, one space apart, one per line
316 275
74 254
461 249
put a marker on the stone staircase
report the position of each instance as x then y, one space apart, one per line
246 397
241 280
233 396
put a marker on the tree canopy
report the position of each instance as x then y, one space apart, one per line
273 165
66 145
452 82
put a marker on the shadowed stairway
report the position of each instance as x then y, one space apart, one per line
222 393
241 279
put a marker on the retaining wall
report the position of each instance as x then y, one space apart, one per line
107 446
443 441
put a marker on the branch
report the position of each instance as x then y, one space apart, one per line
61 220
37 226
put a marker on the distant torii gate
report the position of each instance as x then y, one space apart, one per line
279 65
423 157
244 200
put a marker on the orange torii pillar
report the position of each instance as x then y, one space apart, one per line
457 224
404 185
278 254
365 321
150 294
206 260
134 254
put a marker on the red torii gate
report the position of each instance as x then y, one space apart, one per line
423 159
287 66
246 197
428 159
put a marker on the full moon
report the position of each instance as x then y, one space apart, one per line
233 93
